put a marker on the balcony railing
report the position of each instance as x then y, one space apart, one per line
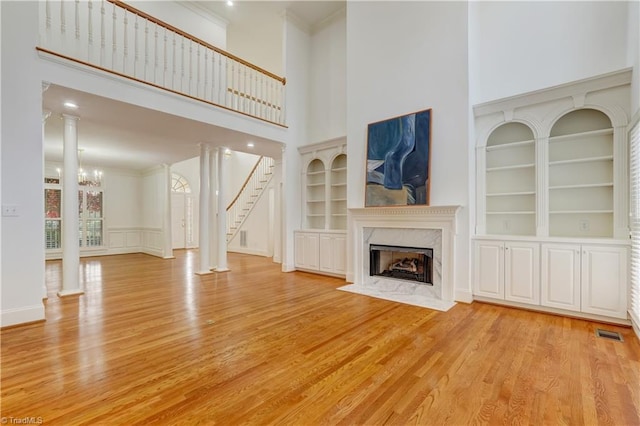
115 37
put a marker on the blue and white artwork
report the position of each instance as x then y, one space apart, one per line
398 161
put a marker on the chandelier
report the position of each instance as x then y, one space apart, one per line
88 179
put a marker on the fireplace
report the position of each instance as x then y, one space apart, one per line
413 264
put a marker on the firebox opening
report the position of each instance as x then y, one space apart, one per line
406 263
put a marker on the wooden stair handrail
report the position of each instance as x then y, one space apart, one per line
163 24
245 182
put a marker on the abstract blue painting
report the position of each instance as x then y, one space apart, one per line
398 152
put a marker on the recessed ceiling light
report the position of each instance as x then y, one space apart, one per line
229 3
250 145
71 105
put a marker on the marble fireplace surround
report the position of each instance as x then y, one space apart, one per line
431 227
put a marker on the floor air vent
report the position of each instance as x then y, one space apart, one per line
612 335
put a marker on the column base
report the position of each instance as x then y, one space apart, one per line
222 269
74 292
203 273
169 257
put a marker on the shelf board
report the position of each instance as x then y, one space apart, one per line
315 184
508 194
338 199
518 212
584 185
339 214
510 145
581 212
339 169
514 167
315 215
319 172
582 160
339 184
315 201
574 136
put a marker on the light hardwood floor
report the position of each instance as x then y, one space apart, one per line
150 342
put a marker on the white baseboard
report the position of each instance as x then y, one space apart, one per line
464 296
288 268
244 250
636 325
349 277
24 315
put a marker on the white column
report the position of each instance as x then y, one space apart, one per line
222 211
204 210
45 116
166 222
70 220
213 208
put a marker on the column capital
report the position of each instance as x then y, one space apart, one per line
204 146
45 86
45 115
70 117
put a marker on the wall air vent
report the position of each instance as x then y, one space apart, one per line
611 335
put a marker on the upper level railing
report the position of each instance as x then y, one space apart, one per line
120 39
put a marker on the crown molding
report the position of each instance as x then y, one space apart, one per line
325 22
291 17
197 8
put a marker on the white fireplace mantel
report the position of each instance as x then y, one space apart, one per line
412 217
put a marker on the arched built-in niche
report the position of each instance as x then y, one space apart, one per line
581 175
338 192
511 180
316 194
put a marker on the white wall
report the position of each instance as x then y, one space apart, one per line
188 18
258 40
517 47
327 100
22 172
152 198
297 60
418 61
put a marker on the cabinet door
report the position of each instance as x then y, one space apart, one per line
561 276
604 281
333 252
489 269
306 250
522 272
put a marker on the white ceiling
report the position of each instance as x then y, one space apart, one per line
121 135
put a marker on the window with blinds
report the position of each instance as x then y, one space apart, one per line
634 219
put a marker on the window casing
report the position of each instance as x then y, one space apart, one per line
90 215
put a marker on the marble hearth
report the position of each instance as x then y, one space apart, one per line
428 227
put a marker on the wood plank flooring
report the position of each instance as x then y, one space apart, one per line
152 343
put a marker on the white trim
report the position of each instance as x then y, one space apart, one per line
24 315
411 217
604 81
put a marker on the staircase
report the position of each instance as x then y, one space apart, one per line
248 196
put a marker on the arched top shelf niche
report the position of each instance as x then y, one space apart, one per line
581 121
509 133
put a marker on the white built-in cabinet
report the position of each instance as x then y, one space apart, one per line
551 198
320 246
508 271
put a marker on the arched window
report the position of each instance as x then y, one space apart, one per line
179 184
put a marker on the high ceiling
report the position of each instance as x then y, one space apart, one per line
120 135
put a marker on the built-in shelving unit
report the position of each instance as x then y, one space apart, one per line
581 175
511 180
552 222
338 192
316 195
321 245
